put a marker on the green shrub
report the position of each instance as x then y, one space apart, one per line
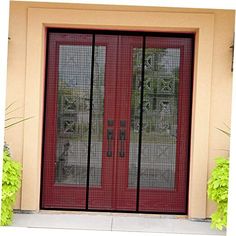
11 181
218 192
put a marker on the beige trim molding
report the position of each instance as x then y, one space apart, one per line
200 23
217 4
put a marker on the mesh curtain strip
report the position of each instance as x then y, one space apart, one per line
117 121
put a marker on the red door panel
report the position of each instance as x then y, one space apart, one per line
171 141
57 193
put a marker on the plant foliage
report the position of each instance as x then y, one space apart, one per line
218 192
11 181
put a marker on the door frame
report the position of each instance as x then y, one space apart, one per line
200 24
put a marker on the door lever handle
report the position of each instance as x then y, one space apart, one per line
122 142
109 138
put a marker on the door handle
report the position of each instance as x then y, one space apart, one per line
109 139
122 142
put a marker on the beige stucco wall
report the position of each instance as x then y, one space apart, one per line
212 81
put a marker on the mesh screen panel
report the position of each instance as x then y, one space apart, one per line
103 120
67 120
135 116
117 122
164 153
97 117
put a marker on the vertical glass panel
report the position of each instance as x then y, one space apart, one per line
160 103
135 116
97 116
73 113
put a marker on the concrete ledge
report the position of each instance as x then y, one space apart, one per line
115 222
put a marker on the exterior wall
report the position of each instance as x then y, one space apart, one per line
221 91
212 81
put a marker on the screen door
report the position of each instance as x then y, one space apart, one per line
117 121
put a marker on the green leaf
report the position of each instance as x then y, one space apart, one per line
217 191
11 181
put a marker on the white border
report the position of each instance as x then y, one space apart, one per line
4 22
216 4
231 228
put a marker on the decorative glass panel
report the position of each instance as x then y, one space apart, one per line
160 114
135 116
97 116
73 113
160 102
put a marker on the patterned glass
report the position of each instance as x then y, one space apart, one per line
135 116
160 102
73 114
97 117
160 112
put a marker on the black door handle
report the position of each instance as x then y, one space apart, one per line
122 143
109 138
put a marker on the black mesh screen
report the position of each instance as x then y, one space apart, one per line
117 122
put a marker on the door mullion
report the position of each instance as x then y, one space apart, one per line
140 123
90 120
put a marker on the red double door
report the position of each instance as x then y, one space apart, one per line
117 121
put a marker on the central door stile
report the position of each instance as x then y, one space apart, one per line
101 196
116 108
127 137
90 121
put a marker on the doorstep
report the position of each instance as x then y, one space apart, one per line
103 221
